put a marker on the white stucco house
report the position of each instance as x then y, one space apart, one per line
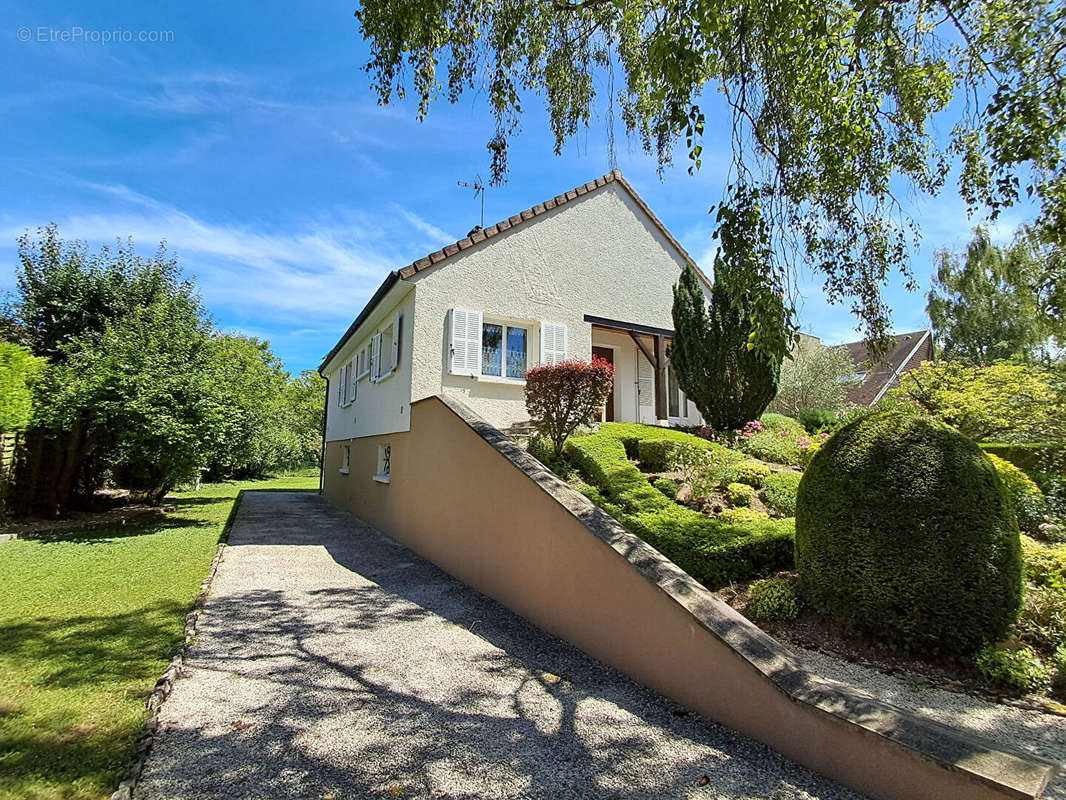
587 273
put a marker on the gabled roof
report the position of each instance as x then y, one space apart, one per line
908 351
479 236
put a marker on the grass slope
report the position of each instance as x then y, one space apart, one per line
88 622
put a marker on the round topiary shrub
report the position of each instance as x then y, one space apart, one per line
904 528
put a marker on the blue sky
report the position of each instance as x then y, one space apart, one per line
252 143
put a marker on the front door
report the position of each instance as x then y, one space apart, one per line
607 354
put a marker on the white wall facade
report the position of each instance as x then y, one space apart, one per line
597 255
381 406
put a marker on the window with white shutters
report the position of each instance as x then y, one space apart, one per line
465 346
346 394
375 357
552 343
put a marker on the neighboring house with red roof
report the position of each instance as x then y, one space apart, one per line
587 273
875 379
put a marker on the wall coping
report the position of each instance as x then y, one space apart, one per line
1013 774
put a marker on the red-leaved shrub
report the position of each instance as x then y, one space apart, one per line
562 396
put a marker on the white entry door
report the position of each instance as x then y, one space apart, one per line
645 390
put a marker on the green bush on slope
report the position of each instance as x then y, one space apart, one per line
713 552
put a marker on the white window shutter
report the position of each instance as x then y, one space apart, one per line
552 343
465 345
396 328
375 357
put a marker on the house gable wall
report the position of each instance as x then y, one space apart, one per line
598 255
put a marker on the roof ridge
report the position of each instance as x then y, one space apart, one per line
479 236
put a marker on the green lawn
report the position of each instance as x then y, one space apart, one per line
88 622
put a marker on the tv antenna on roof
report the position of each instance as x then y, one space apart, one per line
479 189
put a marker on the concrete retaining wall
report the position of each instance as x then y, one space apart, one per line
464 496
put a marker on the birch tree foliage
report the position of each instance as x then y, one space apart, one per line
832 105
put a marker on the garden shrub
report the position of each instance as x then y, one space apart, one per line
667 487
1058 661
1043 618
1016 669
1045 565
713 551
660 455
632 433
749 471
816 420
560 397
774 598
904 528
809 446
1026 498
542 450
739 494
742 516
779 422
780 445
779 492
1026 457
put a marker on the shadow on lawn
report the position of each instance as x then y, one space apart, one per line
59 744
70 652
134 528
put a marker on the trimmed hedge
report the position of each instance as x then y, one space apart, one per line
667 487
656 448
779 492
904 528
714 552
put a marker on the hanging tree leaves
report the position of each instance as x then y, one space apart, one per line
831 103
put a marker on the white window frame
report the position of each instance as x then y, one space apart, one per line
384 468
505 324
363 357
346 459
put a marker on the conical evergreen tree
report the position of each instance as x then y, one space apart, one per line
729 381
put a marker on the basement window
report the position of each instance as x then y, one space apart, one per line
384 473
346 459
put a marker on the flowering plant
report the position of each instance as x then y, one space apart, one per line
751 428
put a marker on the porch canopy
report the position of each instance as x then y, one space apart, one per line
656 355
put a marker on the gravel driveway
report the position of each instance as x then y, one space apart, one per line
334 663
